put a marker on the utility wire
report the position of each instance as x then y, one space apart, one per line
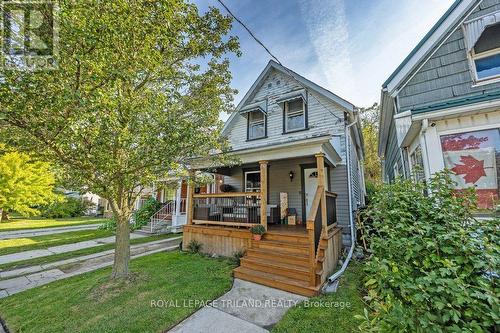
292 74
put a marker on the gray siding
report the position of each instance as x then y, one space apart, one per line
338 184
392 154
320 118
446 75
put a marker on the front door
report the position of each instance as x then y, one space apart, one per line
310 186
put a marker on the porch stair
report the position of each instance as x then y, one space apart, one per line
280 261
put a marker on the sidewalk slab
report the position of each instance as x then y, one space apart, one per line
26 233
209 319
8 258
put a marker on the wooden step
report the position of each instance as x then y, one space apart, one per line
276 281
285 257
286 238
276 268
281 246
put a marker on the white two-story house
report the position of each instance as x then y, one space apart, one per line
300 175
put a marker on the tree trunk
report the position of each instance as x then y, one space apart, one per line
1 214
5 215
122 246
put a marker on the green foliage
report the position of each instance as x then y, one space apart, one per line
143 214
109 225
434 266
24 183
237 255
68 207
369 124
194 246
258 229
138 90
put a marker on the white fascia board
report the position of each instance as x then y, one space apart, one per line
424 51
455 111
386 112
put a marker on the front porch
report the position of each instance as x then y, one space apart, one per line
291 199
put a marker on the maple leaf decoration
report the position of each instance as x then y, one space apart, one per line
472 169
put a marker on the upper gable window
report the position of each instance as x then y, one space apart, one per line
295 115
486 54
256 125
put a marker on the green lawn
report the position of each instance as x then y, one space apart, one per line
317 317
82 252
90 303
41 242
36 222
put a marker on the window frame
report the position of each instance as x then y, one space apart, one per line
245 181
473 56
249 123
285 116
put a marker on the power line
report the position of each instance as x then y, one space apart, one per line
273 56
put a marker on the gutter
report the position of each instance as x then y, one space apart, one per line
341 271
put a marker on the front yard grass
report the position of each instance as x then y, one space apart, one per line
77 253
91 303
14 245
315 316
39 222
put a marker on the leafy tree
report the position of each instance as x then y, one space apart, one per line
369 122
24 183
137 93
433 268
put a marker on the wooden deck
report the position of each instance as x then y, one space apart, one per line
282 259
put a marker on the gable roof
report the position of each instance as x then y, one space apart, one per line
299 78
451 19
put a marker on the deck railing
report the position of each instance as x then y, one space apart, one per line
240 209
331 208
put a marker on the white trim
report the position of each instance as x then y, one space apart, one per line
469 129
455 111
247 189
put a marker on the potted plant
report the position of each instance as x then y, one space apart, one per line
257 232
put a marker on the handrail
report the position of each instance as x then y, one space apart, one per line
331 194
229 194
315 204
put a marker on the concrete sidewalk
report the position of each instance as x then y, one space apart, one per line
246 308
23 233
13 257
34 276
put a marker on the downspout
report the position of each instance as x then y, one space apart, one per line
341 271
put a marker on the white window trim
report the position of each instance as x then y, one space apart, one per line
248 189
295 113
472 63
256 122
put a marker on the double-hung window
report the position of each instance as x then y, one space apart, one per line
295 115
486 54
256 125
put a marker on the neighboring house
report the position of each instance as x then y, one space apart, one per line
300 176
441 107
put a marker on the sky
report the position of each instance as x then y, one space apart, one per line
349 47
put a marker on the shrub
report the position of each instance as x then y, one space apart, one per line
258 229
68 207
237 255
109 225
434 267
143 214
194 246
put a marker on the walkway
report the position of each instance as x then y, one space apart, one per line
8 258
34 276
246 308
23 233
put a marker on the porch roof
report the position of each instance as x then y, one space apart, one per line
293 149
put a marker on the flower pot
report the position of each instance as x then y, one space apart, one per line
257 237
